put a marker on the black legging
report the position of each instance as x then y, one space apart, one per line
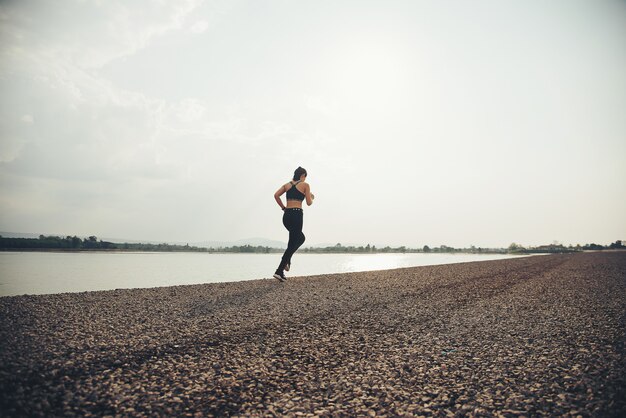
292 219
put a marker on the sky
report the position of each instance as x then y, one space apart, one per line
419 122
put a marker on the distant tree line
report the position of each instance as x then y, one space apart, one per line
338 249
617 245
512 249
245 249
74 243
560 248
55 243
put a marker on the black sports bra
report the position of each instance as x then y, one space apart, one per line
294 193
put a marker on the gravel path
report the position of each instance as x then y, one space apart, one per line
530 336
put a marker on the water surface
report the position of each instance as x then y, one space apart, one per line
57 272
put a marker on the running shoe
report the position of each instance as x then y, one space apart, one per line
280 277
287 267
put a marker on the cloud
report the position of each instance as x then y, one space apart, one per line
89 34
199 27
319 104
86 126
10 148
91 129
189 110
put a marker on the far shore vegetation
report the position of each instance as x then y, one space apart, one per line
74 243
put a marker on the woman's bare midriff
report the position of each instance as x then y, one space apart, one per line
294 204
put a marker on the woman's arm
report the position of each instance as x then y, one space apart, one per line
309 196
278 194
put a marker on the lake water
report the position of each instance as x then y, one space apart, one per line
50 272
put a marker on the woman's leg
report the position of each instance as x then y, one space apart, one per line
293 222
296 239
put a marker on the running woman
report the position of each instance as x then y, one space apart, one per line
297 190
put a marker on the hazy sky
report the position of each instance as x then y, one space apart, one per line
419 122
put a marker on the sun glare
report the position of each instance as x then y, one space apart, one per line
368 72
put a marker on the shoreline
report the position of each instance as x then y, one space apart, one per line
520 336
